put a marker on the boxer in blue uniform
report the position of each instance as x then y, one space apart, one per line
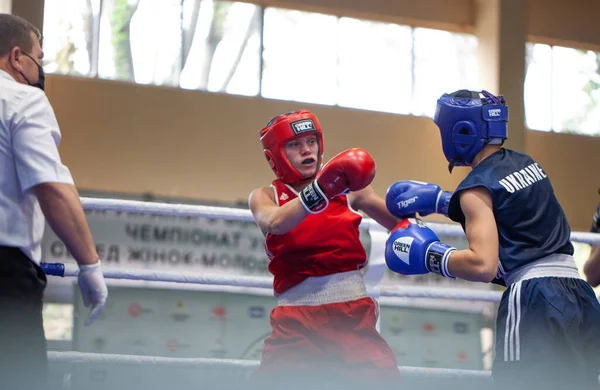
548 322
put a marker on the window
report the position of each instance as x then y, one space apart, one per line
538 87
300 56
444 63
193 44
69 44
132 48
375 67
562 89
576 91
6 6
223 46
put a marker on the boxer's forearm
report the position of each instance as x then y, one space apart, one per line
467 264
286 217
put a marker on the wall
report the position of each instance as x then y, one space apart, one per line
573 164
566 22
132 138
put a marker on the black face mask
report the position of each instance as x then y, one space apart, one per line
41 76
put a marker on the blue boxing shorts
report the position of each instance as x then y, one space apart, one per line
548 335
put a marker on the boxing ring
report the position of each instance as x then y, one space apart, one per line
230 373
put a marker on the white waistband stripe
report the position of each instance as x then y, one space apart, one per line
556 265
321 290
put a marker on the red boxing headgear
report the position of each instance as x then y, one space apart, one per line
282 129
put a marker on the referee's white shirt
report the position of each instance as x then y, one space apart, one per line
29 138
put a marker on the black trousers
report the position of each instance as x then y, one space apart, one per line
23 351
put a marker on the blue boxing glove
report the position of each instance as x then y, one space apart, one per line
415 249
404 198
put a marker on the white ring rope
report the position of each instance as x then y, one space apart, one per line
460 294
267 283
180 277
233 214
134 360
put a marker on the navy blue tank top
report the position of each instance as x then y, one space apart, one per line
531 223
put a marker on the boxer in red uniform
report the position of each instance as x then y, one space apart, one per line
324 324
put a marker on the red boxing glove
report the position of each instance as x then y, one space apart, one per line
350 170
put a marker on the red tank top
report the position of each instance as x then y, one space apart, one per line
322 244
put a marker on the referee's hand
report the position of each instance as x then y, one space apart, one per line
93 289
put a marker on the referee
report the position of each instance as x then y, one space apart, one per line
35 186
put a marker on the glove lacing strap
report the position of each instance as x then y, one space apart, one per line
313 199
436 258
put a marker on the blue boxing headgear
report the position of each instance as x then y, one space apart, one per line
468 122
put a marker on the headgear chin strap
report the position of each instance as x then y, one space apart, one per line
468 121
282 129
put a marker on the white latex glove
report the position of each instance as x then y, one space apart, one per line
93 289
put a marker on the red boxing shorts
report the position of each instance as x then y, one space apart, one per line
332 340
338 336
